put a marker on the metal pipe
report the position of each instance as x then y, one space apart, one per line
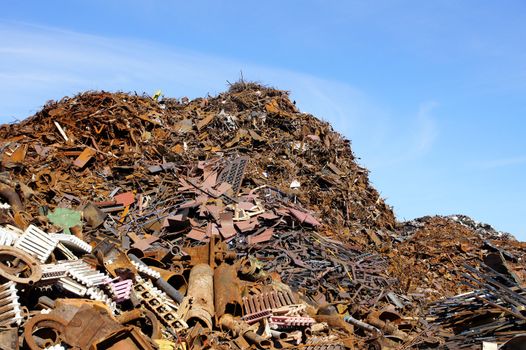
129 316
201 290
168 289
254 338
47 302
386 327
278 334
174 279
361 324
160 282
242 328
227 291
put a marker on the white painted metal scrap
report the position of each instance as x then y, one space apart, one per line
36 242
86 274
10 311
8 236
73 242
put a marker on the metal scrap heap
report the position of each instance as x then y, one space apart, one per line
228 222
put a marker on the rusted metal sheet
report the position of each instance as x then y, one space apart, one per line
83 158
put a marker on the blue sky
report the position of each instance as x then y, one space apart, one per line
432 94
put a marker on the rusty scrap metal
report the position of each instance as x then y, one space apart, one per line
267 301
201 290
491 312
227 291
10 308
238 327
159 303
18 266
233 173
230 222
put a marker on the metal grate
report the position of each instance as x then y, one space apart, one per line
233 173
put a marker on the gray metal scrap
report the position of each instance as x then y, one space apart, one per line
297 256
233 173
489 313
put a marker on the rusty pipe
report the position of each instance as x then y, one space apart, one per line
201 290
175 279
129 316
363 325
137 253
278 335
332 321
254 338
387 327
46 302
230 323
238 328
160 282
227 291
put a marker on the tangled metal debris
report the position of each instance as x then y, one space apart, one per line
231 222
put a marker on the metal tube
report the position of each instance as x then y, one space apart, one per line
242 328
201 290
168 289
361 324
254 338
278 334
160 282
227 291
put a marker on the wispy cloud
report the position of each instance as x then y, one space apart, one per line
409 137
500 163
427 128
41 63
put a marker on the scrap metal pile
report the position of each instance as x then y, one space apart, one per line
227 222
436 250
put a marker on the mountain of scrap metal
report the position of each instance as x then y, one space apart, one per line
229 222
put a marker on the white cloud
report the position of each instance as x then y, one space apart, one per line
427 130
40 63
407 138
499 163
